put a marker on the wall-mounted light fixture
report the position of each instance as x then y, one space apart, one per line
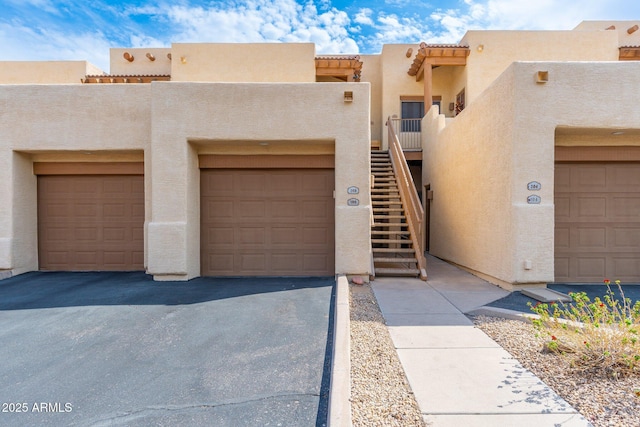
542 76
150 56
452 106
128 56
183 59
480 47
348 96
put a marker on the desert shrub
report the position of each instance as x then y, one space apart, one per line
598 336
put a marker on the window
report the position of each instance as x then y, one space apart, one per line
460 102
412 107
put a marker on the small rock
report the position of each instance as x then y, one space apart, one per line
357 280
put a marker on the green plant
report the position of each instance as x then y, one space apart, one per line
597 336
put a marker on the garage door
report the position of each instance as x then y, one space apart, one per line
267 222
597 216
91 223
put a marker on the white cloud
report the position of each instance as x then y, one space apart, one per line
364 17
261 21
69 29
537 15
22 43
43 5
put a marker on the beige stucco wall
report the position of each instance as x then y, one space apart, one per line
243 62
621 28
479 164
372 74
45 72
396 82
501 48
141 64
60 123
189 118
443 79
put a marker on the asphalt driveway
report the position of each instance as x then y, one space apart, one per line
101 349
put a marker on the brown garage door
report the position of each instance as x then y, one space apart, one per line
597 216
267 222
91 223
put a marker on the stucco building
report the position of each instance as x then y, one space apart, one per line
254 159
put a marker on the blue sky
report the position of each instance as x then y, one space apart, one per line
86 29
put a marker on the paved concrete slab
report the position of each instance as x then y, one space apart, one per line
478 381
506 420
421 319
440 337
121 349
460 376
412 301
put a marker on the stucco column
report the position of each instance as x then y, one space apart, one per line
352 221
6 220
173 231
428 86
19 216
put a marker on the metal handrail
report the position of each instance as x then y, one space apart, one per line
409 197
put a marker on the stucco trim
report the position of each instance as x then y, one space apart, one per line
212 161
597 154
88 168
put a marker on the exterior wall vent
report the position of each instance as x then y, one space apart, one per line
542 76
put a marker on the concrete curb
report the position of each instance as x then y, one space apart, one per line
503 313
340 384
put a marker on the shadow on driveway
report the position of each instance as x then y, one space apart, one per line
120 349
65 289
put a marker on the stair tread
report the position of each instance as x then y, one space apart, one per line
397 271
407 233
392 241
389 217
391 250
394 259
390 224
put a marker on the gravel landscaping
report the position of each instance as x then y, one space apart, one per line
380 393
381 396
603 401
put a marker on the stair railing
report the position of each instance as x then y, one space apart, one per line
409 196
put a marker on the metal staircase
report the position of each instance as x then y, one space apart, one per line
393 248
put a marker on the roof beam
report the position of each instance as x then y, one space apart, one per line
437 55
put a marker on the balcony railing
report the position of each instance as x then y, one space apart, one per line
409 133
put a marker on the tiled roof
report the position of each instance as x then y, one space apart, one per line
439 54
347 67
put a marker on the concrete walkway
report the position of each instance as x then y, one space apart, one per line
459 375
